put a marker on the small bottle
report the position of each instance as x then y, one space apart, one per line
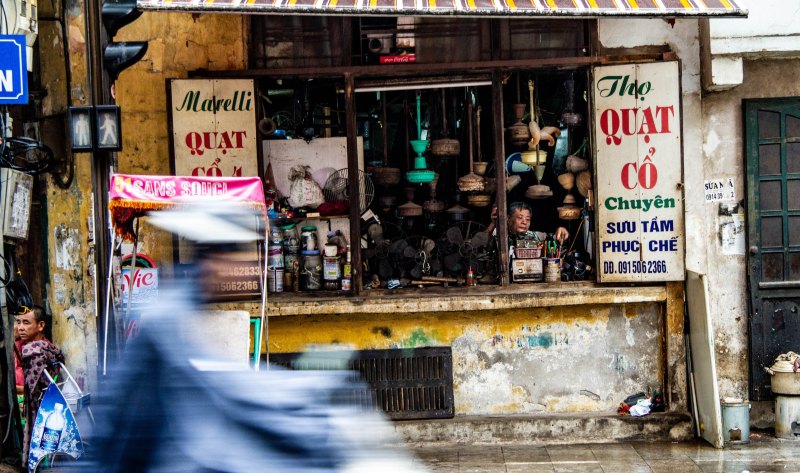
470 277
347 270
53 427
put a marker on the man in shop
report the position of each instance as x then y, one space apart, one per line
519 224
37 353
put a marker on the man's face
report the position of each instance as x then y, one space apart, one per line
16 328
520 221
29 329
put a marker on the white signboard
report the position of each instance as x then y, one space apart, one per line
639 175
214 127
719 189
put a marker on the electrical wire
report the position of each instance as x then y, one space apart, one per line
26 155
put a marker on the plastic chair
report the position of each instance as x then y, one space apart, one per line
76 398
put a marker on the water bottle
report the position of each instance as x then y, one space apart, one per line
53 427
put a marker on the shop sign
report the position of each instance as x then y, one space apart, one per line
639 172
145 285
233 280
213 127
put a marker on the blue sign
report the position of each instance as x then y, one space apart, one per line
13 70
54 430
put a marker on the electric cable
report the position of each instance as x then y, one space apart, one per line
26 155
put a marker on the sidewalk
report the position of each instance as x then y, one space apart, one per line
764 453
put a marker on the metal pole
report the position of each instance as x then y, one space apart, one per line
133 268
264 334
107 306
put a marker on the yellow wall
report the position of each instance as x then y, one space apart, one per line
178 43
560 359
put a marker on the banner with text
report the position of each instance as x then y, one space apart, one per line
213 127
638 165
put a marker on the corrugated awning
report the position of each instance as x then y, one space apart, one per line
503 8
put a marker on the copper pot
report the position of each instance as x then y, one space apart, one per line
479 200
445 147
409 209
386 176
569 213
387 201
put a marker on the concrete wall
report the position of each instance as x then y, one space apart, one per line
723 152
560 359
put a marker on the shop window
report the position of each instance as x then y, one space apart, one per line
428 181
320 41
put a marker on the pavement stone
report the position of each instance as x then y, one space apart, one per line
764 453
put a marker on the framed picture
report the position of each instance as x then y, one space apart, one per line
108 128
80 129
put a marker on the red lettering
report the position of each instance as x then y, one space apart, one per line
629 175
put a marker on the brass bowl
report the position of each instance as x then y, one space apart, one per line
538 192
385 176
569 213
479 200
584 183
445 147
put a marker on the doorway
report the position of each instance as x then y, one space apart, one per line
772 159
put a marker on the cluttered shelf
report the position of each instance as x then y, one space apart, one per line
477 298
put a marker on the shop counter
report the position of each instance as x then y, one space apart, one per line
516 296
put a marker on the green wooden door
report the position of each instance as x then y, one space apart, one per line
772 154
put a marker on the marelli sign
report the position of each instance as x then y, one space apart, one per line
213 128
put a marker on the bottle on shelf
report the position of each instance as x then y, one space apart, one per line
347 272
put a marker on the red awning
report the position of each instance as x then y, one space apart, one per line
526 8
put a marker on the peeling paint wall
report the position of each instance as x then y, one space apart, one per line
723 152
563 359
177 43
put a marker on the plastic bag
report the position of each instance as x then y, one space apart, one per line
303 190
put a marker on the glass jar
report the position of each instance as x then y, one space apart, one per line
291 242
311 271
308 239
331 272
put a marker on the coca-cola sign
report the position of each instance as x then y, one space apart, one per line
213 127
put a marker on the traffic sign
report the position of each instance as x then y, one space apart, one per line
13 70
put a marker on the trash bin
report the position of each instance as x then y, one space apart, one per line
736 422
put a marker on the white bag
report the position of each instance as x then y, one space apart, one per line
303 190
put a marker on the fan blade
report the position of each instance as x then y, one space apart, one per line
385 269
416 272
410 252
454 236
479 239
398 246
428 245
451 261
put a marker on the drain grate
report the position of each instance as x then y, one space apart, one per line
413 383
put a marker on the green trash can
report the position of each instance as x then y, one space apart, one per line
736 422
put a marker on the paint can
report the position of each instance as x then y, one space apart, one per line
552 270
787 417
736 422
274 279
